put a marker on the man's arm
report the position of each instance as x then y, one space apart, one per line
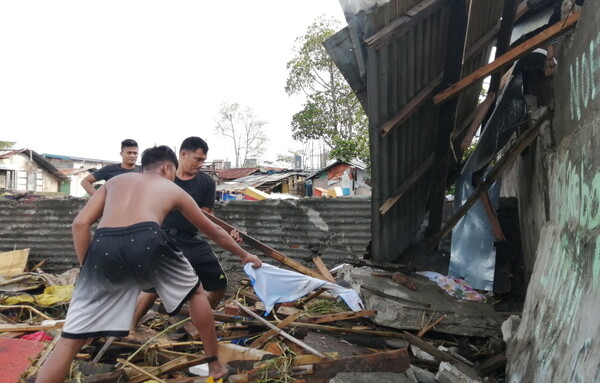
192 213
90 213
87 182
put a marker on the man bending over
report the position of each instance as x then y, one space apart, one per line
129 253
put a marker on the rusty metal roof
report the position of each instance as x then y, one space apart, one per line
393 55
232 174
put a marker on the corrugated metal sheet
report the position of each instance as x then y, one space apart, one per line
267 181
333 228
232 174
400 67
42 225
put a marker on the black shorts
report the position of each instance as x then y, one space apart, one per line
120 263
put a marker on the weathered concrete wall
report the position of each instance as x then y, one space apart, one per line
559 336
335 229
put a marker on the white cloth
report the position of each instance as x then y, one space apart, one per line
274 285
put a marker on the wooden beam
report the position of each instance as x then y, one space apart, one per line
511 155
455 41
266 250
323 269
481 111
412 106
404 23
339 316
407 185
265 337
514 54
489 210
502 44
279 331
388 361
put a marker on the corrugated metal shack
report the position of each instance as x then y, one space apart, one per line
396 56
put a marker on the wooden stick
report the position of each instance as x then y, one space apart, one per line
28 308
26 327
482 110
105 347
426 329
156 336
266 250
341 316
323 269
34 369
509 57
279 331
37 266
271 333
139 369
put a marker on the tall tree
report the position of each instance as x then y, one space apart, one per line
244 129
332 112
6 144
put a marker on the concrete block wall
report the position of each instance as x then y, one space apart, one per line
558 339
335 229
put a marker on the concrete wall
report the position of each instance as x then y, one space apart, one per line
31 181
559 336
333 228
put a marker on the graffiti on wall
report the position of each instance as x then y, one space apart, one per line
583 72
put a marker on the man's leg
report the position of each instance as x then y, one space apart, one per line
56 367
215 297
143 304
203 320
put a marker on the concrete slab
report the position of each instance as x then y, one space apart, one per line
405 309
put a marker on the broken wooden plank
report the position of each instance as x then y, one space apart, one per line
512 55
33 328
509 157
426 329
431 350
411 107
481 111
339 316
266 250
388 361
323 269
144 373
104 348
404 23
174 365
271 333
407 184
280 332
489 210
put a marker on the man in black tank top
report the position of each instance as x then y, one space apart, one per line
195 248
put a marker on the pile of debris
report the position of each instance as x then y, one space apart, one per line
315 338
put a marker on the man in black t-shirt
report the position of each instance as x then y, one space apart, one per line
129 155
202 188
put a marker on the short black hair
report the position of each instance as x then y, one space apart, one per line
194 143
128 143
155 156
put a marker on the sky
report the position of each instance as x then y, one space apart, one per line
78 77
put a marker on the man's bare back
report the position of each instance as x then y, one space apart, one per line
132 198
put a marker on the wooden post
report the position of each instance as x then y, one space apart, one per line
452 70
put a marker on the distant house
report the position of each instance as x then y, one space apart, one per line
73 186
25 170
341 178
70 162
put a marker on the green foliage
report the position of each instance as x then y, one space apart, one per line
244 129
6 144
332 112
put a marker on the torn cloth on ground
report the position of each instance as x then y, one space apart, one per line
455 287
274 285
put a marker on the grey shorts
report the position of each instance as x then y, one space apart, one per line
120 263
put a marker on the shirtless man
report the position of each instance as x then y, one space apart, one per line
129 253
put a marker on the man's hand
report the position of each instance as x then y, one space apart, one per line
236 236
252 258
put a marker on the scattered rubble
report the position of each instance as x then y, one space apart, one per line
316 338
